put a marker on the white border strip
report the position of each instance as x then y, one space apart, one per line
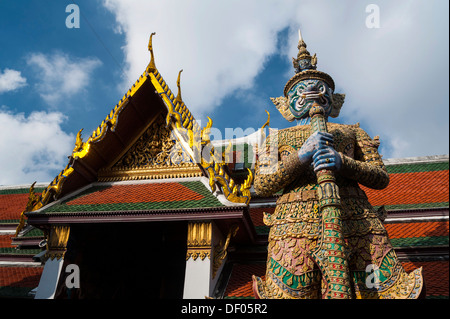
20 263
7 231
27 186
219 195
415 219
416 160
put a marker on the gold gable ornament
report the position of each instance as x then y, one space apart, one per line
155 155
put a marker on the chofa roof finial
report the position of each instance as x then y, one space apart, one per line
178 98
151 66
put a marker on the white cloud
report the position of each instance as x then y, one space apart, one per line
11 80
60 75
34 147
395 77
220 45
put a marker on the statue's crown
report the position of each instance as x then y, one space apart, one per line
304 60
305 67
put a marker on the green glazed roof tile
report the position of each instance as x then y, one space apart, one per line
417 167
420 241
20 191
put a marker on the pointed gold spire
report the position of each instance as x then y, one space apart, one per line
151 66
301 43
305 68
304 60
302 52
178 98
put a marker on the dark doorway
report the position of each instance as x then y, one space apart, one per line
126 260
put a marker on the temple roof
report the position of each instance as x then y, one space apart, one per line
19 274
414 184
13 201
18 281
101 197
148 118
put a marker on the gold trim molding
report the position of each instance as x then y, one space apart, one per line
57 241
199 240
150 172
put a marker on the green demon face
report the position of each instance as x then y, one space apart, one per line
302 96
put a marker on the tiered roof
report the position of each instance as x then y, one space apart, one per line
149 119
19 273
148 104
413 185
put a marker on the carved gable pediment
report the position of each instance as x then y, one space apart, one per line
155 154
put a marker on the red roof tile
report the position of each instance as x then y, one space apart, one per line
5 241
138 193
240 283
256 214
412 188
11 205
435 276
20 276
418 229
13 202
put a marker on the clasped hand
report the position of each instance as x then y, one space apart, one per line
318 150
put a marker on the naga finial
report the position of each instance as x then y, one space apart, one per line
32 200
151 66
78 142
268 120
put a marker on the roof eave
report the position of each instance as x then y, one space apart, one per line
224 217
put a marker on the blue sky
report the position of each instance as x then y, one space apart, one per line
235 55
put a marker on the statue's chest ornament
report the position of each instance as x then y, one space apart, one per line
292 140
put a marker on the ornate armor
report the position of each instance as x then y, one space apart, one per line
363 264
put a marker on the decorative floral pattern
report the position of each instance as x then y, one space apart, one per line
296 225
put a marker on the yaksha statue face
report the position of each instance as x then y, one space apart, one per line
302 96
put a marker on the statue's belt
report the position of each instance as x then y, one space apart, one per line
307 195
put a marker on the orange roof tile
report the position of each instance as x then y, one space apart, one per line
418 229
138 197
256 214
5 241
11 205
240 283
138 193
412 188
20 276
13 202
435 276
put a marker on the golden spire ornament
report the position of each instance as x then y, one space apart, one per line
151 66
304 60
178 98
